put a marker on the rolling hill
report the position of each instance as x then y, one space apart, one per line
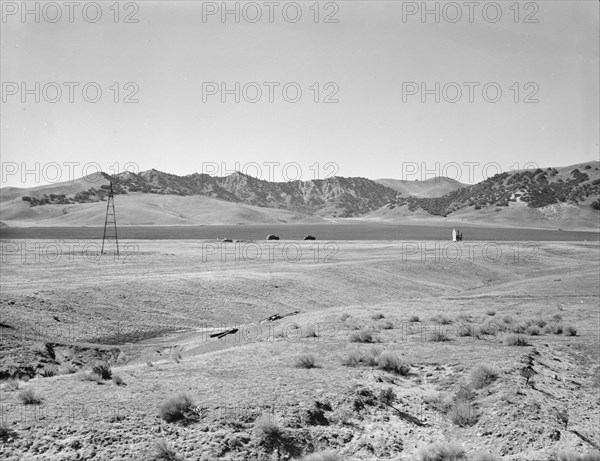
432 187
566 197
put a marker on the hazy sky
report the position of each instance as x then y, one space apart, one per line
369 56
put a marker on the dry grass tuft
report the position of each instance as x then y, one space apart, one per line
441 319
386 325
516 340
305 361
570 330
6 432
450 451
162 451
352 359
439 336
371 358
11 384
49 371
269 433
414 318
469 330
28 397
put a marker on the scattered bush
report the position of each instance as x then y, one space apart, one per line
491 328
570 330
175 356
554 328
39 348
441 319
344 317
443 452
491 312
463 318
305 361
118 380
11 384
469 330
507 319
103 370
540 322
414 318
176 408
439 336
310 332
386 325
351 359
462 414
482 376
323 456
49 371
371 358
519 328
465 393
28 397
389 361
557 318
269 433
69 369
362 336
163 452
6 432
439 401
516 340
533 330
377 316
387 396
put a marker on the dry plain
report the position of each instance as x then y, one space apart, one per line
149 314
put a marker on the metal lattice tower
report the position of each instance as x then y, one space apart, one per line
110 222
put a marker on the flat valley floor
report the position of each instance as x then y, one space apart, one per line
392 347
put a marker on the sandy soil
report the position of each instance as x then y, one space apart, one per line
150 314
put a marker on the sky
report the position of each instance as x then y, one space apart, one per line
369 60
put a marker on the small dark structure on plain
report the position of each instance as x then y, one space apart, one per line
310 237
272 237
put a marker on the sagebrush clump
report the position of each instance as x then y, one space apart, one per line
389 361
176 408
483 376
103 370
362 336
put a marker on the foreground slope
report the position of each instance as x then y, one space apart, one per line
84 310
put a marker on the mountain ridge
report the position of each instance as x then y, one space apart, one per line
568 192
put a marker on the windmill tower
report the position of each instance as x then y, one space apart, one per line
110 221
